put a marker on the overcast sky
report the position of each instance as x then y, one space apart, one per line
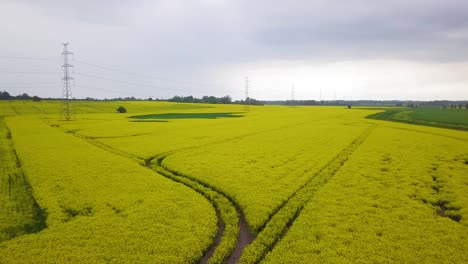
353 49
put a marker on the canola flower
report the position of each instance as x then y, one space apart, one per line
313 183
101 207
401 198
19 212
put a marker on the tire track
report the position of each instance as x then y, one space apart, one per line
20 210
232 234
231 230
223 248
280 222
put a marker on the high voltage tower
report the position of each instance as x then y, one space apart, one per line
246 89
66 93
292 93
246 103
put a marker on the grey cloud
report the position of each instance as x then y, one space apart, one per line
83 11
204 32
416 30
188 39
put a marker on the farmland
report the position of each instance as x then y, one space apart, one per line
188 183
429 116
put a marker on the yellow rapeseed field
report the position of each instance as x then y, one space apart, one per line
312 184
402 198
102 207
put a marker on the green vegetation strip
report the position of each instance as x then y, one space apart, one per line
280 222
187 116
427 116
19 212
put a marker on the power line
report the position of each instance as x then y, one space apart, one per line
128 83
27 72
113 91
27 85
105 68
145 75
31 58
167 81
100 67
31 83
115 70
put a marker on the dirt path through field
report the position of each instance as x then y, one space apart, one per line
244 237
219 234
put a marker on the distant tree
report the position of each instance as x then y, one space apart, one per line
466 106
36 98
23 96
460 106
226 99
121 109
205 99
150 99
5 95
251 101
349 106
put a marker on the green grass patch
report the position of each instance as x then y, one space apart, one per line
146 121
428 116
187 116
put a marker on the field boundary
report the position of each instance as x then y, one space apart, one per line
419 131
388 115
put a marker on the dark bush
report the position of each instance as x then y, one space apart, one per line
121 109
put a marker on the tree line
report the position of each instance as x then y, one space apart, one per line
7 96
213 100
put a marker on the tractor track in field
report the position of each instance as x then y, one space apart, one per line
274 230
174 176
243 237
15 185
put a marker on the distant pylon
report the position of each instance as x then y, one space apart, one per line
246 102
66 92
292 93
246 89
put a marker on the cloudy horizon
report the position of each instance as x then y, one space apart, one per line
353 50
